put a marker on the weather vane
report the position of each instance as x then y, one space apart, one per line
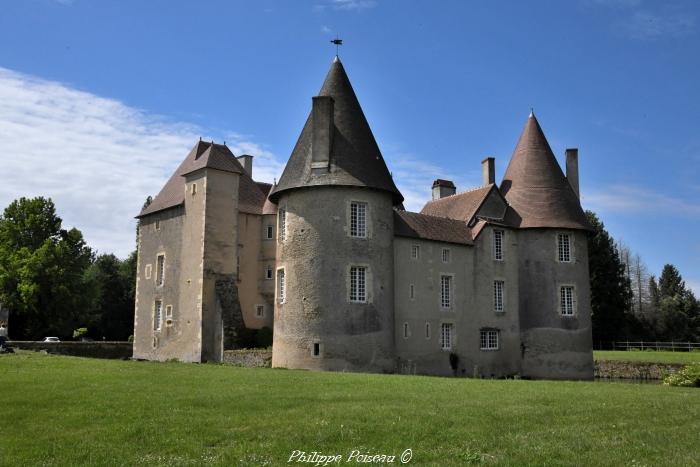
338 42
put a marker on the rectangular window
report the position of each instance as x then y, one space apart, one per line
157 315
281 289
269 232
358 284
446 336
160 270
405 330
282 221
489 339
169 311
445 255
566 299
317 349
193 189
268 272
427 330
415 252
498 245
411 291
157 224
446 291
147 271
498 295
259 311
564 248
358 219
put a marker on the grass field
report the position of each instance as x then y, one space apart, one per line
648 356
73 411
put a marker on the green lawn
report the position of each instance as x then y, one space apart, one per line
74 411
650 356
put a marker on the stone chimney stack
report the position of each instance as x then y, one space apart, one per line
247 163
572 169
488 171
322 131
442 188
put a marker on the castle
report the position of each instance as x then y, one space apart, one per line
487 282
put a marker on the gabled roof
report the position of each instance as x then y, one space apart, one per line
355 158
535 186
214 156
462 206
415 225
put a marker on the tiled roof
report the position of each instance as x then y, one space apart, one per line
462 206
536 188
355 159
415 225
208 155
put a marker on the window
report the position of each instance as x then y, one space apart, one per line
358 284
157 315
157 224
498 295
358 219
193 189
317 349
415 252
489 339
238 267
446 336
282 221
280 286
405 330
411 291
259 311
566 300
564 248
147 271
445 291
268 272
498 245
160 270
445 255
427 330
269 232
169 311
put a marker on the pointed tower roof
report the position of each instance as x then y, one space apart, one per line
355 158
535 186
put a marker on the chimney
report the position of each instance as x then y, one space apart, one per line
247 163
572 169
488 171
442 188
322 131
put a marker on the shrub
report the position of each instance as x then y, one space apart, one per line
80 332
688 376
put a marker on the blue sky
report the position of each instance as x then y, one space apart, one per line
100 100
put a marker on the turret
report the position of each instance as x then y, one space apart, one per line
334 271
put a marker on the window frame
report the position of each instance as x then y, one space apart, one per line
564 248
406 330
281 286
157 315
281 224
499 302
563 305
486 341
358 225
450 291
446 255
415 252
446 344
359 294
260 311
160 269
497 244
269 273
269 232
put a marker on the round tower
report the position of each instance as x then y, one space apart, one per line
553 280
334 303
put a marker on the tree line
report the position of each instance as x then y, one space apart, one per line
54 284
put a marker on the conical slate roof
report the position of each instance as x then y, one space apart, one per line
536 188
355 159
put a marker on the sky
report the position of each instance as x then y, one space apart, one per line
101 100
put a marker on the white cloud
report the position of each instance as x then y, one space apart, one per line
97 158
326 30
632 199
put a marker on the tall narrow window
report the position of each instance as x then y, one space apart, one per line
259 311
268 272
415 252
445 255
446 291
446 336
564 248
358 219
157 315
566 299
498 295
157 224
281 287
282 221
427 330
498 245
193 189
411 291
238 267
358 284
405 330
160 270
489 339
317 349
269 232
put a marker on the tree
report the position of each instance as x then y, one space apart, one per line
42 268
678 308
112 309
611 293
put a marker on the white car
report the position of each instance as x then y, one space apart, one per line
51 339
